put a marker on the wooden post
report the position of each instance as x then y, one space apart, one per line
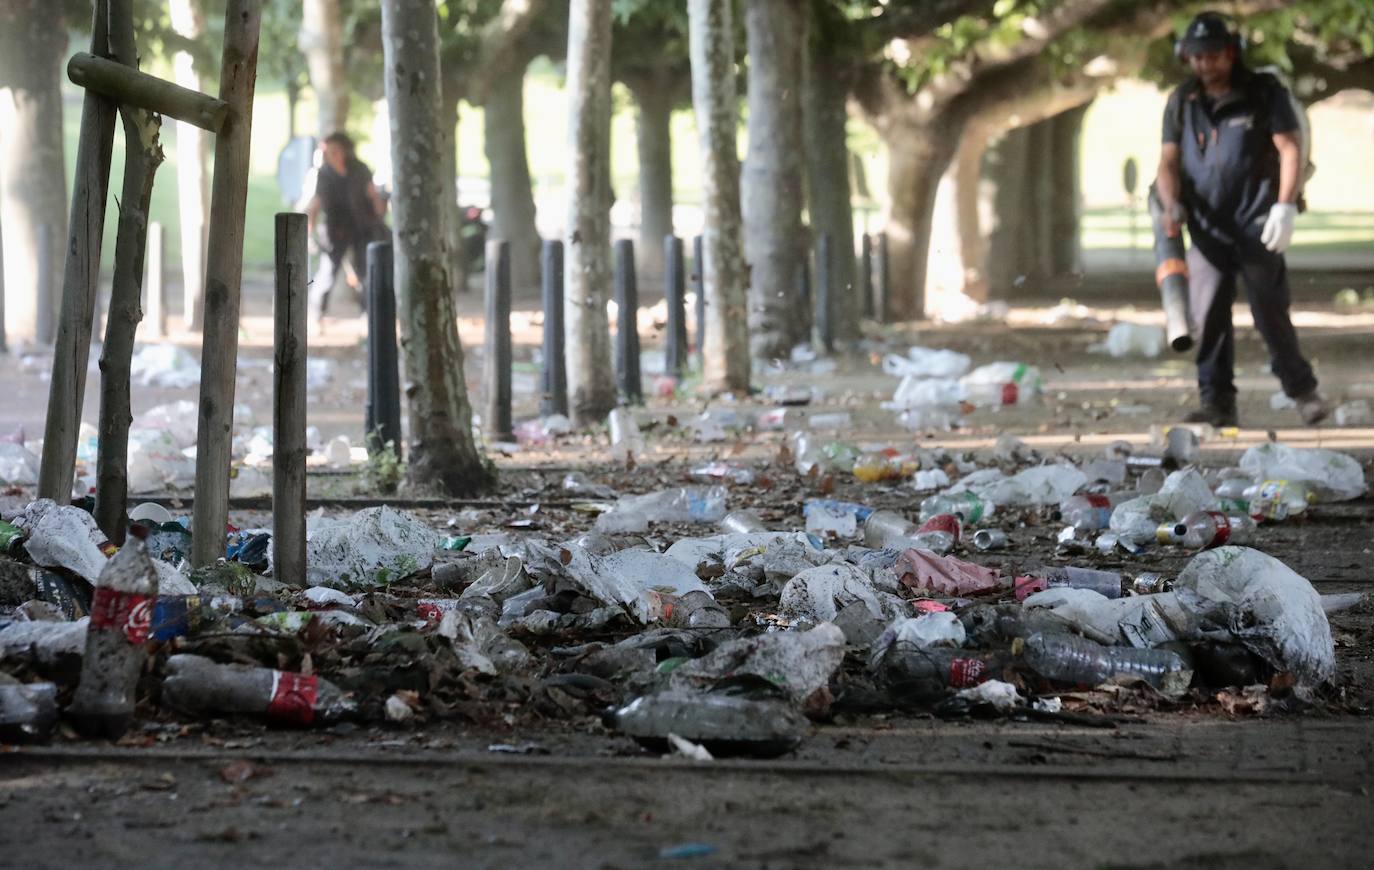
699 288
674 292
223 278
555 374
142 156
866 276
154 293
883 306
808 311
627 323
496 370
383 418
71 354
288 400
129 87
825 308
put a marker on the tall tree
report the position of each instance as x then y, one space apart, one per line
587 253
321 40
724 273
33 209
772 183
193 156
442 450
512 192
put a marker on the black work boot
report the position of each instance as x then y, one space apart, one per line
1216 413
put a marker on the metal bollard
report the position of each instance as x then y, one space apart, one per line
824 308
496 371
866 275
699 287
555 374
882 305
674 291
627 323
383 416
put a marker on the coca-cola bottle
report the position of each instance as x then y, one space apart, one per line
967 506
121 616
923 674
196 684
1202 530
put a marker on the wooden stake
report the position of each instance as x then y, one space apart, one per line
496 368
142 156
223 279
288 401
90 188
129 87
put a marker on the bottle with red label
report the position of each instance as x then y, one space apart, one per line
200 686
1069 660
1202 530
1106 583
121 617
924 674
1090 512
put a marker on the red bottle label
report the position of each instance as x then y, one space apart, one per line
1010 393
964 673
293 698
1223 529
1098 500
941 523
122 611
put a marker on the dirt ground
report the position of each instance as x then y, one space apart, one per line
1182 785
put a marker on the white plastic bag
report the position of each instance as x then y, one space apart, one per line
1040 485
929 629
1183 492
915 392
635 579
372 547
925 362
1132 339
1003 383
164 365
18 465
800 663
1334 476
818 594
178 420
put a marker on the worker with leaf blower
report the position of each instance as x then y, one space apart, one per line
1231 169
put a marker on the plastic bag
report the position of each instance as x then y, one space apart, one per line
1183 492
818 594
1132 339
1334 476
1041 485
371 548
800 663
634 579
18 465
914 392
1003 383
177 419
942 628
925 362
157 463
164 365
925 571
1265 605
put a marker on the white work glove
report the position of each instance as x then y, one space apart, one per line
1277 234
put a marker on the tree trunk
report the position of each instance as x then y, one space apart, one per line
1066 192
918 156
442 451
512 192
33 189
142 156
772 181
711 37
1005 180
193 182
830 206
449 109
956 269
321 40
654 140
587 256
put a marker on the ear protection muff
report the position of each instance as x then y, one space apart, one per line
1234 37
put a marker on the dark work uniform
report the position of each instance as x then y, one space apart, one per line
351 222
1230 171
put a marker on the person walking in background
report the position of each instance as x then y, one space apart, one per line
353 212
1231 168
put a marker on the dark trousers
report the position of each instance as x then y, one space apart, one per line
1212 273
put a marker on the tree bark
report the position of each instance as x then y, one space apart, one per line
587 257
773 177
711 37
830 207
654 140
1066 192
442 451
142 156
193 182
1005 176
33 191
512 192
918 155
449 110
321 40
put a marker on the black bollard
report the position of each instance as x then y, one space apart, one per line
884 286
866 275
627 323
383 417
674 292
804 292
555 383
699 287
496 369
824 308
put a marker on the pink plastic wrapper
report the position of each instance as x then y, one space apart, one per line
925 571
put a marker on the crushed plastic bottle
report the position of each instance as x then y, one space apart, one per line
967 506
927 673
1105 583
1002 383
197 685
1277 500
28 712
1079 662
121 618
626 441
826 521
725 724
1090 512
1202 530
693 610
884 528
741 523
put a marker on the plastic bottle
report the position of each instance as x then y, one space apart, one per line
1107 583
861 512
882 528
938 534
1150 583
695 609
742 523
967 506
724 724
1091 511
626 442
11 540
121 618
686 504
1180 447
1078 661
198 685
1279 499
28 711
1202 530
1233 487
927 673
179 615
